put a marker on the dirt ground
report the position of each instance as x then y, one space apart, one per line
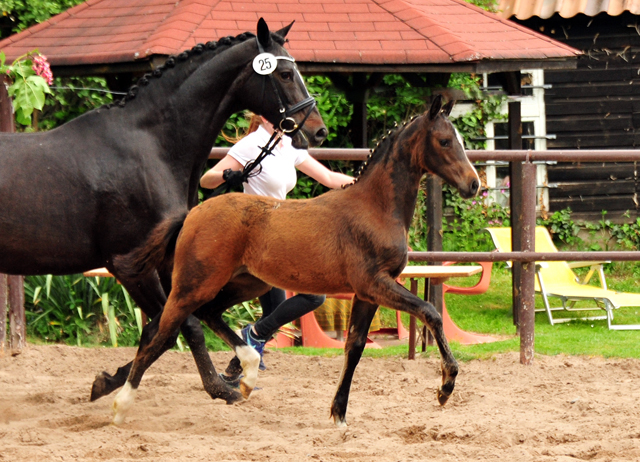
559 409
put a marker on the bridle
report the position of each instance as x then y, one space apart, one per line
287 125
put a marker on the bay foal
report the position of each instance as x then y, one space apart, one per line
349 240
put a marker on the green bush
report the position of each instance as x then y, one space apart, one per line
78 310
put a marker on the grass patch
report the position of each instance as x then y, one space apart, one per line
490 313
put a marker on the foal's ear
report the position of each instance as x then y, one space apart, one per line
446 109
264 36
285 30
435 107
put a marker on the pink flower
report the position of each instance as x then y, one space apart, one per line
41 67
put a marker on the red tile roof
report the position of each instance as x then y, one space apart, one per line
325 31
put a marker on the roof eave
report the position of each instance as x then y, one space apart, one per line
478 67
149 63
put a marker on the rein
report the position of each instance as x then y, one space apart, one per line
287 126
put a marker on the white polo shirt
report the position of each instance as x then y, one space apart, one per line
278 175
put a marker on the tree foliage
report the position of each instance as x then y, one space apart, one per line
26 13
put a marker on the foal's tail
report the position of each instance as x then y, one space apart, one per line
155 251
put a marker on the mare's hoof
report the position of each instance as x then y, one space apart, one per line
100 386
234 397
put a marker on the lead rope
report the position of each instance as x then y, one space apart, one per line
248 170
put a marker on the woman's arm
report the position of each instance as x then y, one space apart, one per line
323 175
213 178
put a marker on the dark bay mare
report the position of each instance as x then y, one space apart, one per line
88 193
352 240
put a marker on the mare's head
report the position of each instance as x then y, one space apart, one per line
286 103
441 151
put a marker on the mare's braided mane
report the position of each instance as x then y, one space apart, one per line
391 137
175 60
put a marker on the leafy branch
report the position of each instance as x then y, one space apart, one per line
30 77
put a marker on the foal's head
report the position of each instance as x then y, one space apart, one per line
441 151
286 101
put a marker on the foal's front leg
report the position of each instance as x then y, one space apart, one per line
362 314
387 292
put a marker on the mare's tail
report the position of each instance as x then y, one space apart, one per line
155 251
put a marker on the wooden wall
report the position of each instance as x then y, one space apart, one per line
596 106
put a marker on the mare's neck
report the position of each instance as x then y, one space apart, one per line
198 109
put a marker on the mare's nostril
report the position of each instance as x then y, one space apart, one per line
321 135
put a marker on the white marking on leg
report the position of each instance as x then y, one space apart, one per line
249 360
123 402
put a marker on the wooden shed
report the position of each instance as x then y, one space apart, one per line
596 105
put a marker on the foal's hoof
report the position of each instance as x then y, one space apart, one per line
340 422
101 386
443 397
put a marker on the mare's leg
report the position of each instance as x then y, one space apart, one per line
242 288
362 314
387 292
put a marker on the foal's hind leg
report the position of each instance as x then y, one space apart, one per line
387 292
168 324
362 314
149 295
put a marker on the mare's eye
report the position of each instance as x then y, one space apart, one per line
286 75
445 143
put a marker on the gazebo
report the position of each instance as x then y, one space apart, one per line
354 42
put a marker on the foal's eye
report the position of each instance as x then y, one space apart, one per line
445 143
286 76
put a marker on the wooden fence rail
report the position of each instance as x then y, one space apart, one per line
523 188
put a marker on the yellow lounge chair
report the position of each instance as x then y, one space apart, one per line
557 279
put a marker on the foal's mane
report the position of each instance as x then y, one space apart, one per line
383 145
212 48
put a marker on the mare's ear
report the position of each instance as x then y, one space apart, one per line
435 107
446 109
264 36
285 30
